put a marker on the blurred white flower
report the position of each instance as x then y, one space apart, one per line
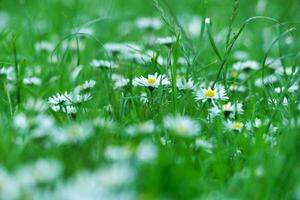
125 50
32 81
21 121
182 125
166 41
231 109
44 46
246 65
143 128
119 81
103 64
9 186
41 171
146 151
194 26
148 23
260 82
204 144
214 111
73 133
117 153
8 72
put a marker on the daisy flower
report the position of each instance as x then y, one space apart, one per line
71 134
103 64
87 85
234 125
185 84
123 49
292 89
144 128
84 31
60 99
143 98
168 41
246 65
152 81
256 124
182 125
8 72
211 94
270 79
69 110
272 101
237 88
214 111
146 151
194 26
117 153
230 109
32 81
204 144
151 23
44 46
119 81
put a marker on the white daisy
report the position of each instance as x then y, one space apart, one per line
69 109
260 82
32 81
84 30
103 64
214 111
71 134
123 49
272 101
117 153
237 88
185 84
148 23
246 65
256 124
60 99
182 125
229 108
152 81
204 144
146 151
142 128
291 89
194 26
218 93
44 46
88 85
144 98
8 72
234 125
166 41
119 81
286 70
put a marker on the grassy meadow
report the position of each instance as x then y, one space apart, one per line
154 99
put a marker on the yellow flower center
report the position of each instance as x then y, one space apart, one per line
226 106
151 81
182 128
209 93
238 125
